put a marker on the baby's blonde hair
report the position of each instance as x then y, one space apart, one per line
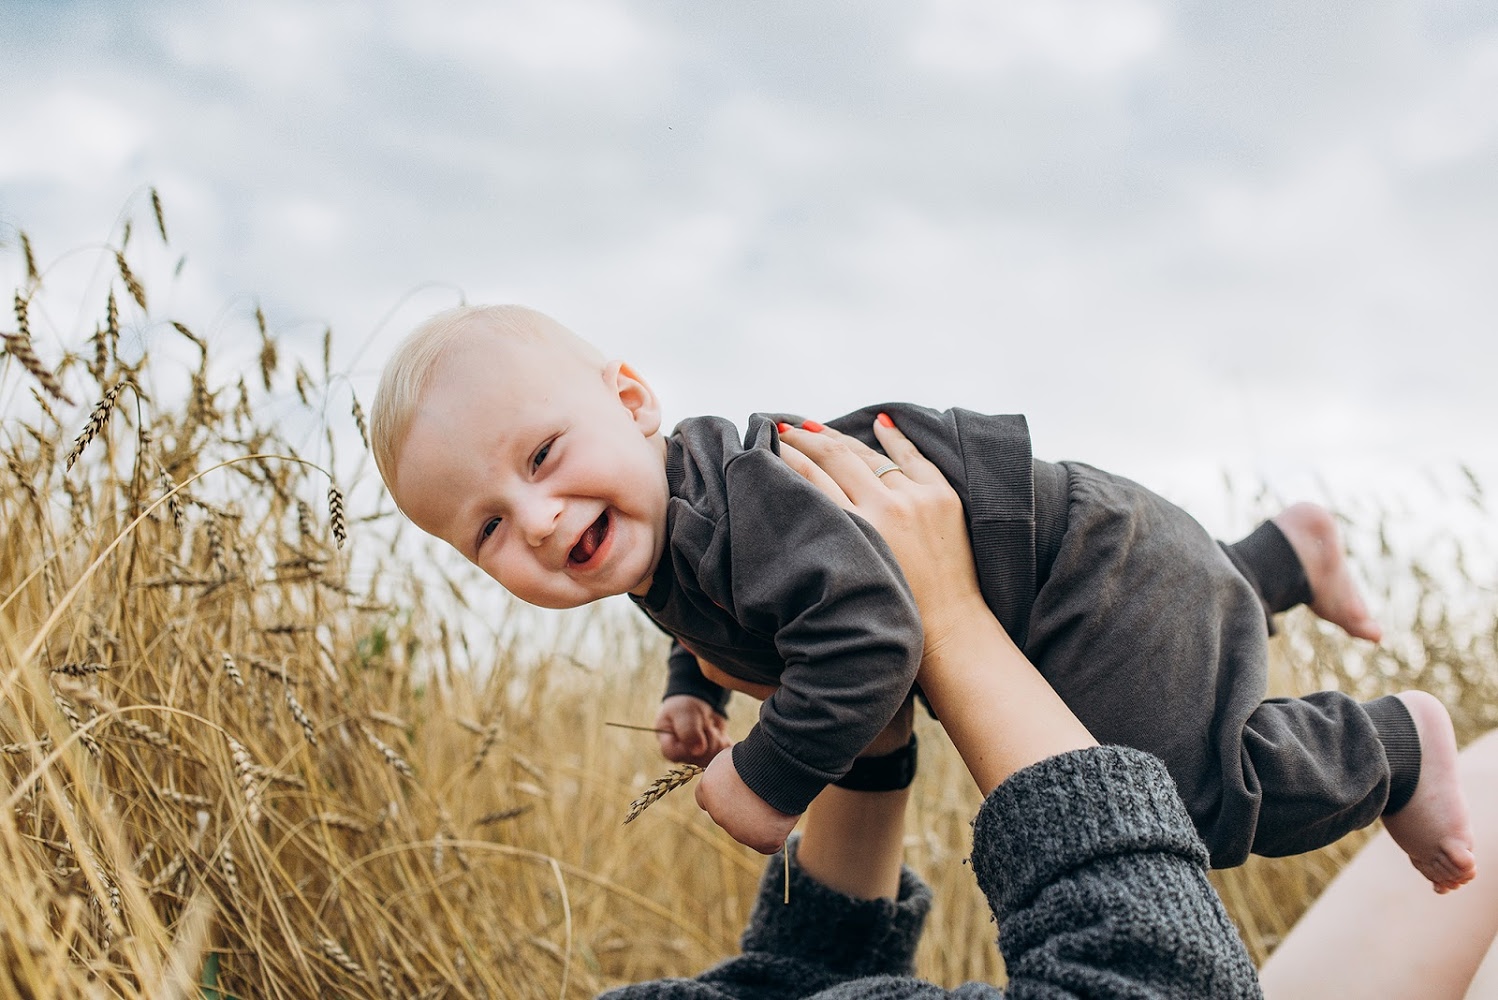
409 371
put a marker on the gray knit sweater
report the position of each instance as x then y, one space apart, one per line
1092 869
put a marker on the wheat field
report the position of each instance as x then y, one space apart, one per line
253 748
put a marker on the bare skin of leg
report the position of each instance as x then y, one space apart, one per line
1435 828
1378 930
1312 533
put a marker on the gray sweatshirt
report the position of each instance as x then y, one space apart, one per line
1091 868
1147 628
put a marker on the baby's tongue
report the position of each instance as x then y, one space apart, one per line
592 538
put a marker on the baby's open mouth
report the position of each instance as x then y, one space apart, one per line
592 538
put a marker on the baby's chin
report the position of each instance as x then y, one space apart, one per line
566 603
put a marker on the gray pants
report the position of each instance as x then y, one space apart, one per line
1155 636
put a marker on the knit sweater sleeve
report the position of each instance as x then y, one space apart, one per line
1098 881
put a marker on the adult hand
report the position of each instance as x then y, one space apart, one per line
1000 713
913 507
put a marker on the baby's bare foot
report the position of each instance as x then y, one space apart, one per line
1312 533
1433 828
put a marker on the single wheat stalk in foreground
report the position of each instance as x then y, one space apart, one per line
335 515
668 782
96 422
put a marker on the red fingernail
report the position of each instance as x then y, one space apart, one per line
812 426
884 419
782 427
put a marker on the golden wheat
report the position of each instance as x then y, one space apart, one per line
670 781
199 835
96 421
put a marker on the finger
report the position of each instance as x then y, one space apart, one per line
812 473
840 457
875 460
903 452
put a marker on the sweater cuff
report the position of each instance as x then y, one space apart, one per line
848 936
1071 810
775 776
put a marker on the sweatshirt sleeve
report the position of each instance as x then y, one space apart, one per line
1098 882
684 676
845 627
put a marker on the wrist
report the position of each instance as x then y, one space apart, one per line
947 626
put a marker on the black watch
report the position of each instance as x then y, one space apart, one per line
889 773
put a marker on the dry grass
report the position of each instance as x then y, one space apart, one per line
239 753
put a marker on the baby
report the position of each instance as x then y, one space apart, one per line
545 464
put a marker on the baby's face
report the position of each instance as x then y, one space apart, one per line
547 474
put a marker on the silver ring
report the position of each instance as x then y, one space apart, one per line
879 473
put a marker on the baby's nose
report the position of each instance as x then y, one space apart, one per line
538 521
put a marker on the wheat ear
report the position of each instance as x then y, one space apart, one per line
668 782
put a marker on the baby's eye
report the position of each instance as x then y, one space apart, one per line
489 527
540 456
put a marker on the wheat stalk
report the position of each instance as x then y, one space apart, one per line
132 283
392 758
231 870
79 669
303 519
232 670
500 816
19 346
198 342
360 422
335 515
387 980
96 421
160 216
183 798
173 503
668 782
248 785
300 715
112 324
155 737
75 722
490 735
342 822
216 550
341 958
32 275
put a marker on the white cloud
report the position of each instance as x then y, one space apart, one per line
291 49
1457 114
562 41
1079 38
71 136
314 226
1319 205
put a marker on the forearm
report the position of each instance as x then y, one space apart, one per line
853 842
999 712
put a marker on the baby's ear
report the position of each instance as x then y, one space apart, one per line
636 396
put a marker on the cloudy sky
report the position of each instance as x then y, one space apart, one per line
1185 239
